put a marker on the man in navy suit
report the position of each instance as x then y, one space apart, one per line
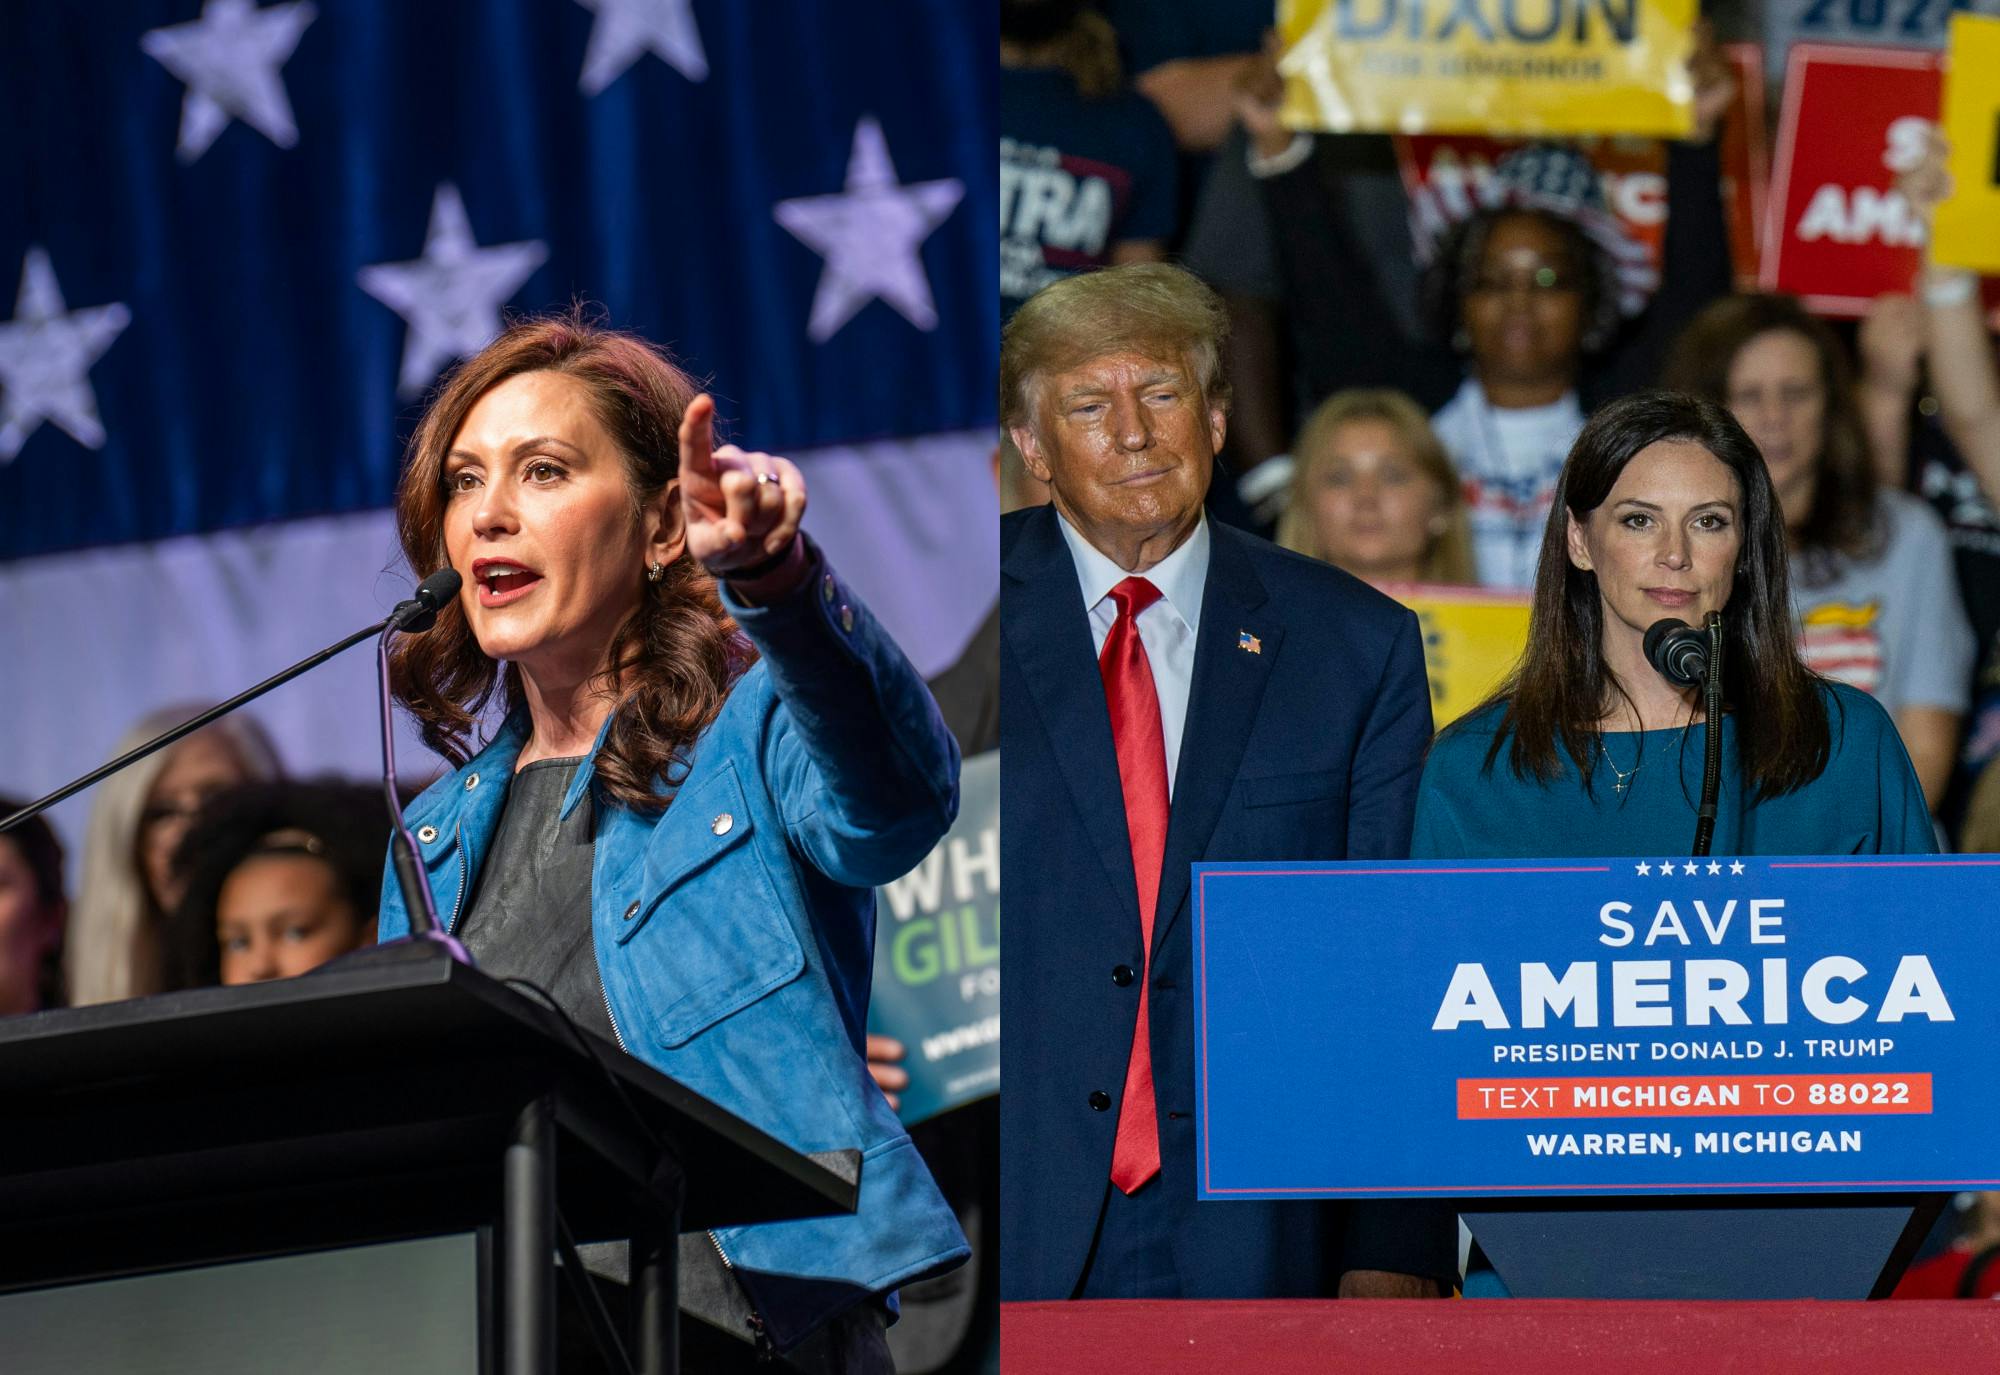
1172 690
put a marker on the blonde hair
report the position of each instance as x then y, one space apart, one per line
112 949
1155 309
1448 557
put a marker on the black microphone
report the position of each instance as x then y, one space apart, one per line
417 613
1678 651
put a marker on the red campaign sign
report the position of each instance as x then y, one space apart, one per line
1838 234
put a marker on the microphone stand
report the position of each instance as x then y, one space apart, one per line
414 615
1711 772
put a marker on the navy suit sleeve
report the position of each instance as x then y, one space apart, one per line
1382 786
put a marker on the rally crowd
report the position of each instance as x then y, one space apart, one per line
1408 371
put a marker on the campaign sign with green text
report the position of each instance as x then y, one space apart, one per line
937 956
1468 1027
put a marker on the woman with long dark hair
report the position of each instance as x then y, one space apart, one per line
1873 589
1664 510
710 754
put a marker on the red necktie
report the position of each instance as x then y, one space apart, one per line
1142 772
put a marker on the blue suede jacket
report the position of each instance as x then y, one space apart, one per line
735 930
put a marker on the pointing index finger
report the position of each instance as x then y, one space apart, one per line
698 438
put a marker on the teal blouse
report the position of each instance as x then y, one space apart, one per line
1867 802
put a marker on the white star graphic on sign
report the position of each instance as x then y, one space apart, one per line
1736 866
45 357
1644 867
1714 868
229 59
870 235
452 295
626 30
1689 867
1666 868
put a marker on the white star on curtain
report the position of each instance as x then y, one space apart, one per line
871 235
229 59
451 296
45 357
626 30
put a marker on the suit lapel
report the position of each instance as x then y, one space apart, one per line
1228 687
1046 629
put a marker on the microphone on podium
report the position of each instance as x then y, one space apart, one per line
1687 657
412 616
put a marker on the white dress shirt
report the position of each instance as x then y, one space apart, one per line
1166 628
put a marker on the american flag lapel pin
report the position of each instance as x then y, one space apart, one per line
1249 643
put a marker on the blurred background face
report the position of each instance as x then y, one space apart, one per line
1665 540
1777 393
197 768
1374 510
1126 443
542 526
1523 309
27 931
280 915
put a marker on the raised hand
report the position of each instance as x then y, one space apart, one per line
742 509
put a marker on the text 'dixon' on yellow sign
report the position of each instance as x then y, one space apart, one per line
1505 67
1966 231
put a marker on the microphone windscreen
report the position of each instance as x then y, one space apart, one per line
439 588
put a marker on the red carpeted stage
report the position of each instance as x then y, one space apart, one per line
1503 1336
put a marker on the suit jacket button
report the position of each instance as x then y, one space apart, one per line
1121 974
632 911
722 823
847 618
1100 1100
472 782
427 834
826 587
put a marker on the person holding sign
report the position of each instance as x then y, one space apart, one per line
1176 691
1665 511
1534 299
1872 580
711 753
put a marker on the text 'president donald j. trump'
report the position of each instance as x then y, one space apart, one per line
1172 690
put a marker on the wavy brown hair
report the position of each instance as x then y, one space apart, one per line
673 660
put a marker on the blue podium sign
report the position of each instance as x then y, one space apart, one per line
1638 1026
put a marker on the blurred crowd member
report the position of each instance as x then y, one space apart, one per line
1088 170
279 878
1957 437
1374 492
136 824
1871 572
1191 56
33 911
1969 1268
1523 305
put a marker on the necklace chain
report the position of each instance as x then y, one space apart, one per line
1625 776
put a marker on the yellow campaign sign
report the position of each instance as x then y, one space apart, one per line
1502 67
1966 229
1472 639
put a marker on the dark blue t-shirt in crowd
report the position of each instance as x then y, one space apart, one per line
1077 177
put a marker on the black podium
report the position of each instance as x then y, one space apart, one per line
391 1096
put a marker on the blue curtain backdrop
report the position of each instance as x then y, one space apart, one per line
200 439
257 380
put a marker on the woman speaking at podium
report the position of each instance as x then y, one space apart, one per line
710 754
1664 511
